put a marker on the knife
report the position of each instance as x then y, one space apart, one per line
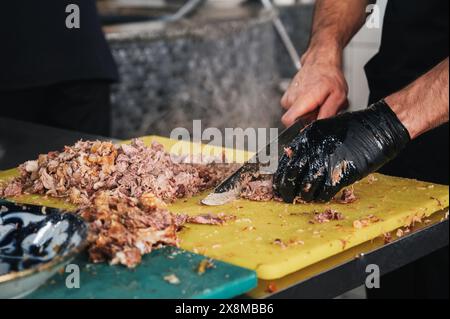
231 187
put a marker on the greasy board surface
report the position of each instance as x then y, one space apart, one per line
276 239
250 240
100 281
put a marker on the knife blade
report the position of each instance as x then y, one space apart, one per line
230 188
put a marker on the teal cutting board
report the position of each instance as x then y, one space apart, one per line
100 281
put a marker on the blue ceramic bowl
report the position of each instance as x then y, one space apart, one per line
35 242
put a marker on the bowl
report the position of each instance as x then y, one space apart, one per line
35 243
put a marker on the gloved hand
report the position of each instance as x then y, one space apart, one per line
336 152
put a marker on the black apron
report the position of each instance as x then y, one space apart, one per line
38 50
415 39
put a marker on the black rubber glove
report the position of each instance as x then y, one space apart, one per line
336 152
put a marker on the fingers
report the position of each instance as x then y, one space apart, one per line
279 173
291 94
286 100
304 105
313 181
332 105
284 161
328 191
290 168
338 176
315 86
291 178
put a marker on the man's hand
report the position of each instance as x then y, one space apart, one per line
333 153
319 88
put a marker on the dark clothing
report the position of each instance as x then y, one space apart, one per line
39 50
51 74
415 39
82 106
426 278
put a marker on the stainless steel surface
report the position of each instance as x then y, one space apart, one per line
262 162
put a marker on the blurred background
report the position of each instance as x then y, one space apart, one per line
217 60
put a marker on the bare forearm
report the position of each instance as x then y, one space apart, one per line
335 23
424 104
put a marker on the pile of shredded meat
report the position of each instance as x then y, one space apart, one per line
121 192
132 170
122 229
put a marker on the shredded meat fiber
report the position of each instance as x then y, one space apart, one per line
348 196
326 216
258 190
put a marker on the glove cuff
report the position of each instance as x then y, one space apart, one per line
390 128
397 126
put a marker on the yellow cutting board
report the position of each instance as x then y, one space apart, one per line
276 239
